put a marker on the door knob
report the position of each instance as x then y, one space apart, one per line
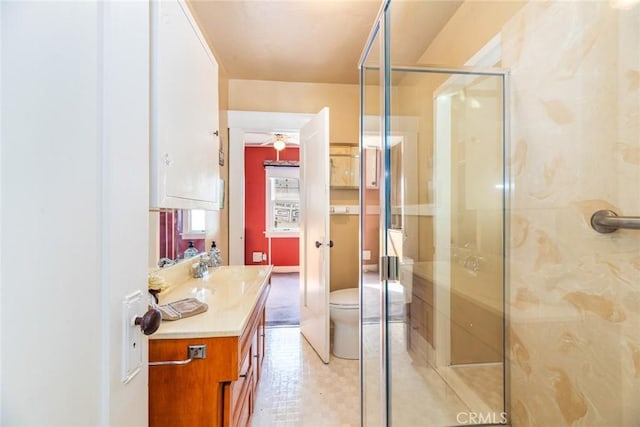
150 321
330 244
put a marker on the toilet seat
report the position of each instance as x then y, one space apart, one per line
345 298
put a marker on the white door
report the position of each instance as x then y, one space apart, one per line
74 198
314 233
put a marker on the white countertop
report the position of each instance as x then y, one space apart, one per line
231 292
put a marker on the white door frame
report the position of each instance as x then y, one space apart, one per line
239 123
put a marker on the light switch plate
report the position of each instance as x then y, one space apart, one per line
133 340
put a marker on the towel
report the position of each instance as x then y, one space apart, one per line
182 308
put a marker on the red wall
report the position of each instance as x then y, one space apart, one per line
284 251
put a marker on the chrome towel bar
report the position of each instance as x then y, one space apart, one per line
193 352
607 221
171 362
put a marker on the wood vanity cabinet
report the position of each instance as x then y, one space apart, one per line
219 390
420 317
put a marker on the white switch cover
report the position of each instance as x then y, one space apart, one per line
257 256
133 339
366 255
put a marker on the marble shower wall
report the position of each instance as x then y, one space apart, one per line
575 148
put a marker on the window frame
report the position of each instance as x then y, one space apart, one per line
278 172
187 232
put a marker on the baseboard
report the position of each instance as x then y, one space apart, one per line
286 268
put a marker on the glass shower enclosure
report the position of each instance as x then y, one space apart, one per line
484 289
433 203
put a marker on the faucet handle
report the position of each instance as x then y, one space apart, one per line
204 260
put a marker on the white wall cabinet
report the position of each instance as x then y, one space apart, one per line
184 112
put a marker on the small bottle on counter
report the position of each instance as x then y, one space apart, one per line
215 257
191 251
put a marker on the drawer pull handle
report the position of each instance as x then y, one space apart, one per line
243 375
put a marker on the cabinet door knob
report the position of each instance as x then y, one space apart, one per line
215 133
150 321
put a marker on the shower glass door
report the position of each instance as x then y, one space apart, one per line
445 313
371 295
433 196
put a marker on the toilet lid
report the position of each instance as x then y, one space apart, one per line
344 297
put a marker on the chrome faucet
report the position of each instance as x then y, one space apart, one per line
201 268
165 262
473 263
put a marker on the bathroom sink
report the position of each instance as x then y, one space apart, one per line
202 292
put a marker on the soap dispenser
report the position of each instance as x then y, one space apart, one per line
215 257
191 251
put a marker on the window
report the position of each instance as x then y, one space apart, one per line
193 224
282 201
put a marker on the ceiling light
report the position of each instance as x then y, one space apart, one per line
279 143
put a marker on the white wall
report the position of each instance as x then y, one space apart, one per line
1 236
74 200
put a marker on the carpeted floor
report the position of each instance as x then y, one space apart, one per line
283 305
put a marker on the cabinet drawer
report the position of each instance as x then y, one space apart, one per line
243 416
422 289
416 309
243 407
240 387
246 339
428 323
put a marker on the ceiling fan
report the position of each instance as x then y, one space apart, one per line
279 140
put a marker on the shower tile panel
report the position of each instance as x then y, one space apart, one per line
574 294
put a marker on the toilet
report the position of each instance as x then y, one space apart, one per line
344 313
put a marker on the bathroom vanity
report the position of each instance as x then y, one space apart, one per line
219 389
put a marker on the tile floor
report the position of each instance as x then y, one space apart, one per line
485 380
298 390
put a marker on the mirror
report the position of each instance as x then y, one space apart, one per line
172 232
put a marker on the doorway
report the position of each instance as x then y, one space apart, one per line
283 304
314 212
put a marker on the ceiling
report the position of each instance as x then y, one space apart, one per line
318 41
293 40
